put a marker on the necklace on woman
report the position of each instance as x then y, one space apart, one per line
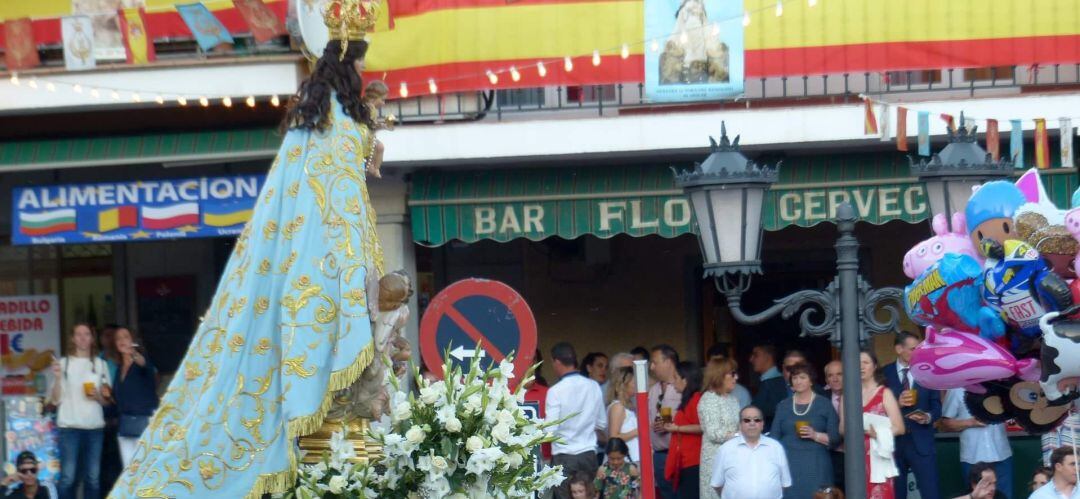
808 404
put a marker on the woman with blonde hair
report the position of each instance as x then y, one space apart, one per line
719 414
622 420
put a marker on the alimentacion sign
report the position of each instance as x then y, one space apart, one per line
135 210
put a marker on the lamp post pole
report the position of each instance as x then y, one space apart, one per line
847 266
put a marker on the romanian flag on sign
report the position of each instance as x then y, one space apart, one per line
117 218
137 41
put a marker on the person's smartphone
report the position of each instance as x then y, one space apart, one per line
918 413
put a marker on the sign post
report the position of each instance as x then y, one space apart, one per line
476 312
644 429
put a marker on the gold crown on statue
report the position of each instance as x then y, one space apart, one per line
350 19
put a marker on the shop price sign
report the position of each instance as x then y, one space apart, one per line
480 312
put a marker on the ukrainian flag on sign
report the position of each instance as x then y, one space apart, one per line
226 216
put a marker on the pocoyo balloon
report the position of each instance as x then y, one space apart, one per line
928 252
990 212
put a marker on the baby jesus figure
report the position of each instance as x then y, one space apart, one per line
374 99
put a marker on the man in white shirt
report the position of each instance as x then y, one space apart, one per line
1063 484
751 466
979 442
578 398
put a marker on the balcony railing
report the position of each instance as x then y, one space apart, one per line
610 100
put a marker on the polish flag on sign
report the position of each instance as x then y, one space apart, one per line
170 217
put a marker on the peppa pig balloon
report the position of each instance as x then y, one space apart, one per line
928 252
955 359
948 295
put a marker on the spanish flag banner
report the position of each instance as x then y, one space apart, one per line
869 120
1042 144
137 41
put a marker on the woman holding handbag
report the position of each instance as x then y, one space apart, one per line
136 392
81 386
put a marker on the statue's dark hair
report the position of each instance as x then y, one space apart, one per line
310 108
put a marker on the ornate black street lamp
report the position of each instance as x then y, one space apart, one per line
951 174
726 193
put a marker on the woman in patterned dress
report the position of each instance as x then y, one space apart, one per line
881 401
618 478
719 414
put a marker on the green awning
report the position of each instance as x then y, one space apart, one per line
642 200
178 147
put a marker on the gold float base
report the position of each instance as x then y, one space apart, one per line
318 444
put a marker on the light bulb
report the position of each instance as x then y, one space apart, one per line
595 57
15 79
812 2
431 86
492 77
50 87
181 100
625 52
514 74
404 90
204 102
94 93
227 101
77 88
159 99
746 19
715 29
568 64
33 83
136 98
541 69
115 95
274 101
250 101
779 8
654 46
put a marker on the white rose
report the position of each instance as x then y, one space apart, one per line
415 435
501 432
513 459
474 443
505 417
402 411
453 425
439 463
473 404
337 484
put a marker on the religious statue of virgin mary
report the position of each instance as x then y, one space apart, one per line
290 323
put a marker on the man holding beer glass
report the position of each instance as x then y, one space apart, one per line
921 407
81 385
664 399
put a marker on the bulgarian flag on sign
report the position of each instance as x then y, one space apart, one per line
137 41
47 222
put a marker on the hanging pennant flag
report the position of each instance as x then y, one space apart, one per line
1016 143
264 25
78 33
949 122
1067 143
924 133
901 129
869 121
208 30
140 48
20 51
1042 144
993 140
886 134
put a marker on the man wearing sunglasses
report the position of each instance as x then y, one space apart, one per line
751 465
24 484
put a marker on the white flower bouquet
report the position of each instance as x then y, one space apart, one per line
463 437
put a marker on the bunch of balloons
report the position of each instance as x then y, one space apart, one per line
998 294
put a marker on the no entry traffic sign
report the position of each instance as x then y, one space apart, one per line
478 311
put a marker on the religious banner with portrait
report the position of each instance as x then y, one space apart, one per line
695 50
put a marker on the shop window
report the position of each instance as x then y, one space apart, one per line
922 77
590 93
990 74
521 97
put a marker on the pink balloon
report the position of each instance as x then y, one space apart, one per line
926 253
955 359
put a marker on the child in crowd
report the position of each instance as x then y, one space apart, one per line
618 478
581 487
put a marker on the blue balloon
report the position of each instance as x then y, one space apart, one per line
948 295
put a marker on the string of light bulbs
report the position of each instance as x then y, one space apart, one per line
493 75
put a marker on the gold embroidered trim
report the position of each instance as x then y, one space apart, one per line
339 380
275 483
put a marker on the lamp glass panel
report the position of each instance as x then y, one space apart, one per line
755 196
727 207
699 199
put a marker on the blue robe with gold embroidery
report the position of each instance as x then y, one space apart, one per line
287 327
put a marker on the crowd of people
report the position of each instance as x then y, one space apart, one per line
712 438
103 393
